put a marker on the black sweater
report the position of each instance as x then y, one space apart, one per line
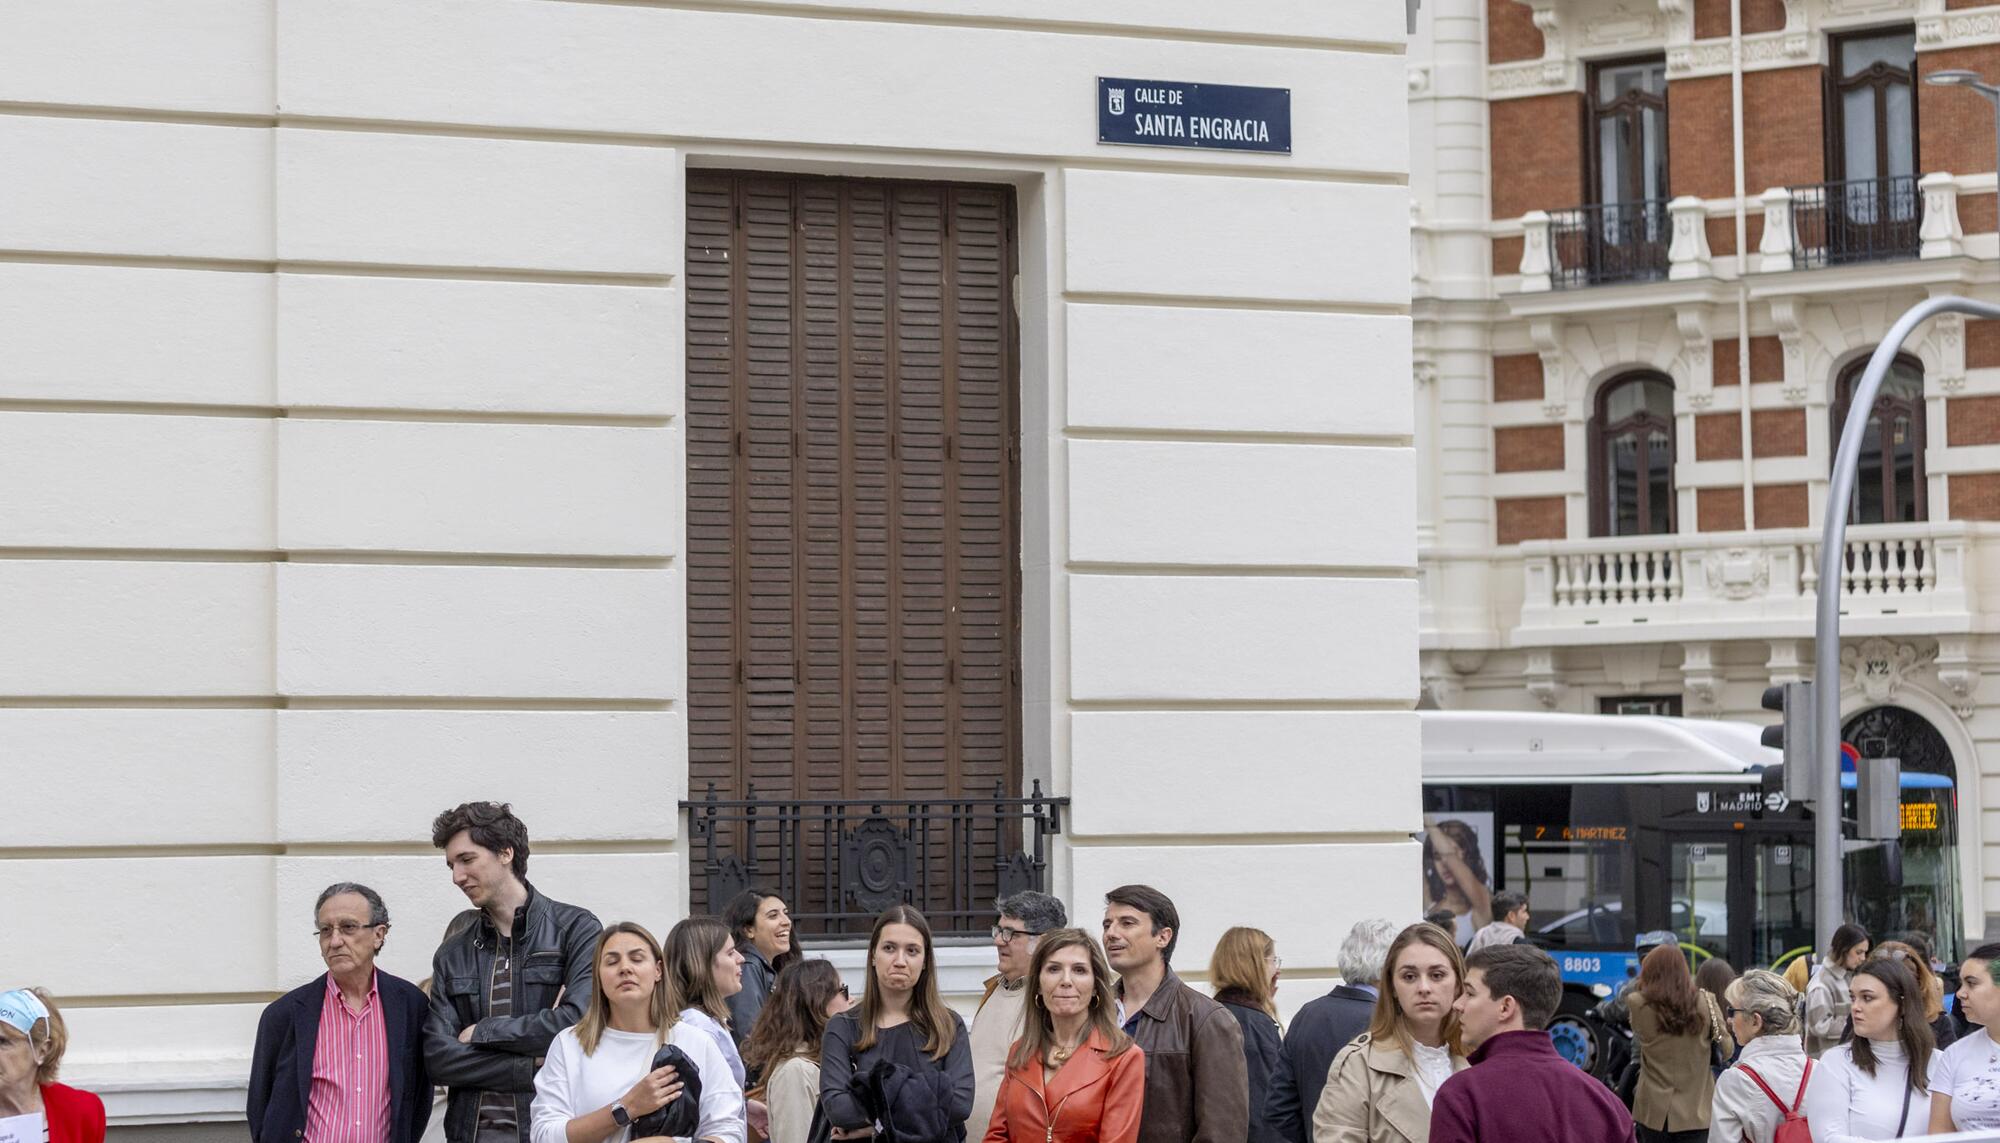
902 1044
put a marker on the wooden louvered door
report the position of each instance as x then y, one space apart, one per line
853 585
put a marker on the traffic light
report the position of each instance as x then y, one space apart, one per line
1793 735
1878 799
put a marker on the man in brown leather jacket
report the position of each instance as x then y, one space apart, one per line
1197 1083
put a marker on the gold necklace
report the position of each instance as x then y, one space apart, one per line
1060 1055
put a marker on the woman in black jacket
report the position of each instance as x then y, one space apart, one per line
902 1019
762 926
1244 972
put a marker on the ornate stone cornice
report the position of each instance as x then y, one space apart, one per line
1973 27
1765 51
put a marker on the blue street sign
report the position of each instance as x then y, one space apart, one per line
1211 116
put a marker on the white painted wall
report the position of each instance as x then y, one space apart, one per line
339 429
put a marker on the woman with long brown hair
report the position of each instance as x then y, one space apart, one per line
1876 1086
1918 961
598 1076
704 969
1073 1075
1243 970
1677 1026
784 1046
1380 1087
902 1018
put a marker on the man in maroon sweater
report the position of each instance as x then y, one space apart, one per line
1518 1088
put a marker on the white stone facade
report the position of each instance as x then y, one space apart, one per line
340 391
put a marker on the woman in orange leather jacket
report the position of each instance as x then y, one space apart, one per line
1073 1076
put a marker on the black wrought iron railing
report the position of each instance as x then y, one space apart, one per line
1609 242
1857 220
838 863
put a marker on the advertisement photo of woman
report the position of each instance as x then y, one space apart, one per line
1455 877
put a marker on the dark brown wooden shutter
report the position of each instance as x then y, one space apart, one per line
853 585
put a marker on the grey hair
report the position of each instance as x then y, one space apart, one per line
1364 950
1761 992
378 913
1039 911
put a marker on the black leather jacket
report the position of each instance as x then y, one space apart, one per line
554 944
744 1007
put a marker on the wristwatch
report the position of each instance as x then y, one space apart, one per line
620 1116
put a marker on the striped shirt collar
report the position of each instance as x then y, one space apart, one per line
374 992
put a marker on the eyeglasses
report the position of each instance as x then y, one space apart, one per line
1007 935
1275 961
843 993
347 929
1729 1013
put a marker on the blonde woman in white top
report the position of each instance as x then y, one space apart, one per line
1874 1086
1763 1016
1965 1080
783 1047
598 1076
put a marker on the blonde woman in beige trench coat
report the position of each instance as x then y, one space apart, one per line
1380 1087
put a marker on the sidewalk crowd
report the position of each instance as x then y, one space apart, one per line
545 1026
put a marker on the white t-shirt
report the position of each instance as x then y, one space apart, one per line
1433 1068
1969 1072
571 1084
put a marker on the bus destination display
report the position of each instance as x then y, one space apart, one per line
1577 832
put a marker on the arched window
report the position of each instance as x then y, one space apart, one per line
1632 457
1889 482
1926 894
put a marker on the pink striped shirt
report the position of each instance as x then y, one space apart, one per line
350 1076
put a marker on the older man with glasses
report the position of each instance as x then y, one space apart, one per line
340 1060
997 1024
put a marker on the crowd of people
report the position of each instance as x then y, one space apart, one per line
544 1026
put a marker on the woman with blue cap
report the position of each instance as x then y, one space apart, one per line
32 1040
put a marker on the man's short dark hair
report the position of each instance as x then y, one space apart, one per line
1505 903
1039 911
1157 906
492 826
1525 973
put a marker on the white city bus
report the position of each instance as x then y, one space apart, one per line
1617 825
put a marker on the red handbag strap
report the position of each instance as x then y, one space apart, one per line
1759 1081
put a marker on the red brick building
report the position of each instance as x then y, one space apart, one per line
1654 243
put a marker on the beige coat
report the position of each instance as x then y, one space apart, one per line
792 1092
1372 1096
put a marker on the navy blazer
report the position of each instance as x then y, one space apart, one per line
282 1067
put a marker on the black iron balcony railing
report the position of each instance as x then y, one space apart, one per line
1858 220
839 863
1609 242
